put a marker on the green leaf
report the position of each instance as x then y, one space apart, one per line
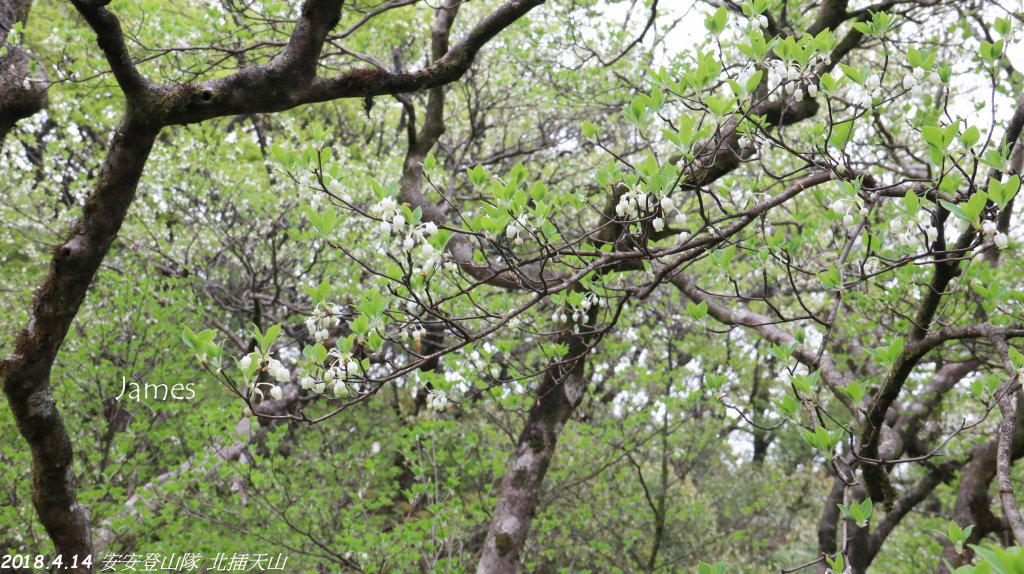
478 175
360 325
975 206
836 564
855 390
858 75
1002 26
189 338
787 406
374 340
937 137
859 513
265 340
828 83
753 81
715 23
714 382
723 257
716 568
911 203
955 210
1017 358
991 51
782 352
896 349
970 137
1001 193
323 221
831 278
699 311
841 134
955 533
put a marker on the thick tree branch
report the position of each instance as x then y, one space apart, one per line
1007 428
22 94
110 39
411 183
283 84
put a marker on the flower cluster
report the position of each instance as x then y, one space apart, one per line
416 331
812 90
578 312
323 318
749 141
391 217
394 222
899 226
635 204
915 82
668 206
479 363
514 231
437 400
274 368
840 206
990 229
780 74
432 258
337 376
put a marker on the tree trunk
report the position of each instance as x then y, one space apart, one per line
558 396
25 374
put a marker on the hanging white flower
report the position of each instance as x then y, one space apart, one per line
278 371
437 400
1001 240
